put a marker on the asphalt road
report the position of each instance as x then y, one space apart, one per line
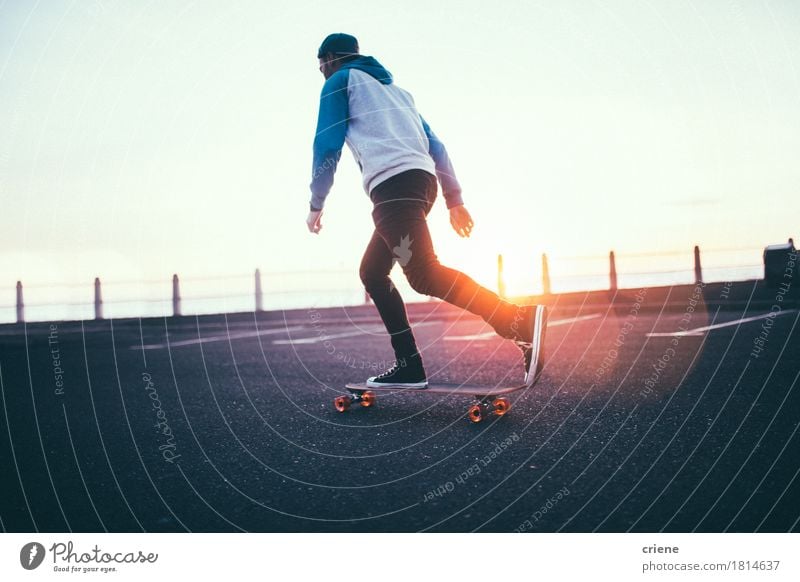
226 424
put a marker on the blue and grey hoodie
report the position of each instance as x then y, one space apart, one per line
362 106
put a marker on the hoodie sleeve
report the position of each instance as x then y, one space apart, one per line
444 167
329 138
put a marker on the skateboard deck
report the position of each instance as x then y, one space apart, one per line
444 388
487 400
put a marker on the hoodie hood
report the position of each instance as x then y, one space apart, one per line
370 66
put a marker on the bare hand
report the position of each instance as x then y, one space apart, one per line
314 221
461 221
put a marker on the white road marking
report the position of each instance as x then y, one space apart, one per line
327 336
490 334
217 338
702 330
322 337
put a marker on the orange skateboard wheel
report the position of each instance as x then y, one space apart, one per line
475 414
501 406
341 403
368 399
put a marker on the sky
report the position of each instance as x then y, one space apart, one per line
141 139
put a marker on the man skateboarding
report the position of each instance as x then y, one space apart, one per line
400 159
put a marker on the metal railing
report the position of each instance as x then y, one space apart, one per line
241 299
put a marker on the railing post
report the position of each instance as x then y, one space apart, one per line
176 296
612 271
698 270
20 304
501 286
259 292
545 275
98 299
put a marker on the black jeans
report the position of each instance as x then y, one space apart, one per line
402 204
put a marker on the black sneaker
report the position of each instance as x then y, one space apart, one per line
408 374
529 333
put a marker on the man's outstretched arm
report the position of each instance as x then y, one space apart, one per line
460 219
451 189
329 137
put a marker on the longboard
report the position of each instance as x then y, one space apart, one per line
488 400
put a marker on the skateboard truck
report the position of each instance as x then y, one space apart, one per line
487 406
366 399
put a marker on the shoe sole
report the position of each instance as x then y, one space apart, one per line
414 385
537 346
